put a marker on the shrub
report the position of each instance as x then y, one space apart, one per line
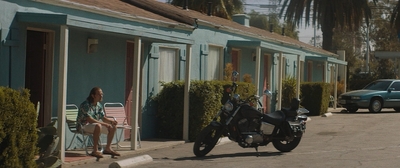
315 97
247 78
205 102
340 88
228 72
288 90
18 136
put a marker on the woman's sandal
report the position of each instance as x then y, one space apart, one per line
96 154
111 153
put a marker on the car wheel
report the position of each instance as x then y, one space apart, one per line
352 110
375 106
397 109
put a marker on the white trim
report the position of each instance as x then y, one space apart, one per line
136 92
186 93
48 83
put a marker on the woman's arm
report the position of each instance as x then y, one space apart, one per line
104 123
109 121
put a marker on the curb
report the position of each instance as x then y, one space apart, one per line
327 114
127 154
143 159
134 161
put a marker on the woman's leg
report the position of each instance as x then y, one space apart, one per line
110 137
96 137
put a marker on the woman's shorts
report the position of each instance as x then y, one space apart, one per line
89 128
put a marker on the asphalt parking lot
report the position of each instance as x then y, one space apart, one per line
359 139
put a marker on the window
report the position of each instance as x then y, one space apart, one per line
396 86
214 63
168 69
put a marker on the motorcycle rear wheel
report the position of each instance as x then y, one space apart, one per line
285 146
206 140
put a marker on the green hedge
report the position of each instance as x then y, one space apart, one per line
205 102
315 97
18 133
288 91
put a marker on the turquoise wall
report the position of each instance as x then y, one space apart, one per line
106 67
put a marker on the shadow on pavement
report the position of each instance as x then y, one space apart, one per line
364 112
244 154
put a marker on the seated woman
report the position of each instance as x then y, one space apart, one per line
91 117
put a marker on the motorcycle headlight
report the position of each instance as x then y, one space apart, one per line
228 106
236 97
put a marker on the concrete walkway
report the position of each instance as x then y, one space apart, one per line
130 158
75 158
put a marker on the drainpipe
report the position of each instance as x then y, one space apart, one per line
209 9
185 4
271 28
9 66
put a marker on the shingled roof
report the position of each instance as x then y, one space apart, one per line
117 8
159 11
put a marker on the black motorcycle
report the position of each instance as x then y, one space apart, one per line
241 122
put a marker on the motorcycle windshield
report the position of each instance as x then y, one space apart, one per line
302 111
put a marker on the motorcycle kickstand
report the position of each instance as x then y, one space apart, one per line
258 153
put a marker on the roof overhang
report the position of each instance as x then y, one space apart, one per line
73 21
44 18
274 48
387 54
327 59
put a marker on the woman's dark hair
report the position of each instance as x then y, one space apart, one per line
92 92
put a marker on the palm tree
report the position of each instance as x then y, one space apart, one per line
395 19
327 15
220 8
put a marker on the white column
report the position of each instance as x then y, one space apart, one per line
186 93
280 72
335 88
345 79
298 77
325 70
62 90
342 69
135 92
257 73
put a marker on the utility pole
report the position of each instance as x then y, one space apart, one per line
315 35
367 53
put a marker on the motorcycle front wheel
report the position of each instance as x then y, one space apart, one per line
206 140
285 146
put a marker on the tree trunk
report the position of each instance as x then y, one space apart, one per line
327 35
327 25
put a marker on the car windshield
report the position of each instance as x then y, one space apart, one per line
378 85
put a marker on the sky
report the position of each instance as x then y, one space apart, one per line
305 34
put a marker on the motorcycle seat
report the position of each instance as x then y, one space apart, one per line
274 118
